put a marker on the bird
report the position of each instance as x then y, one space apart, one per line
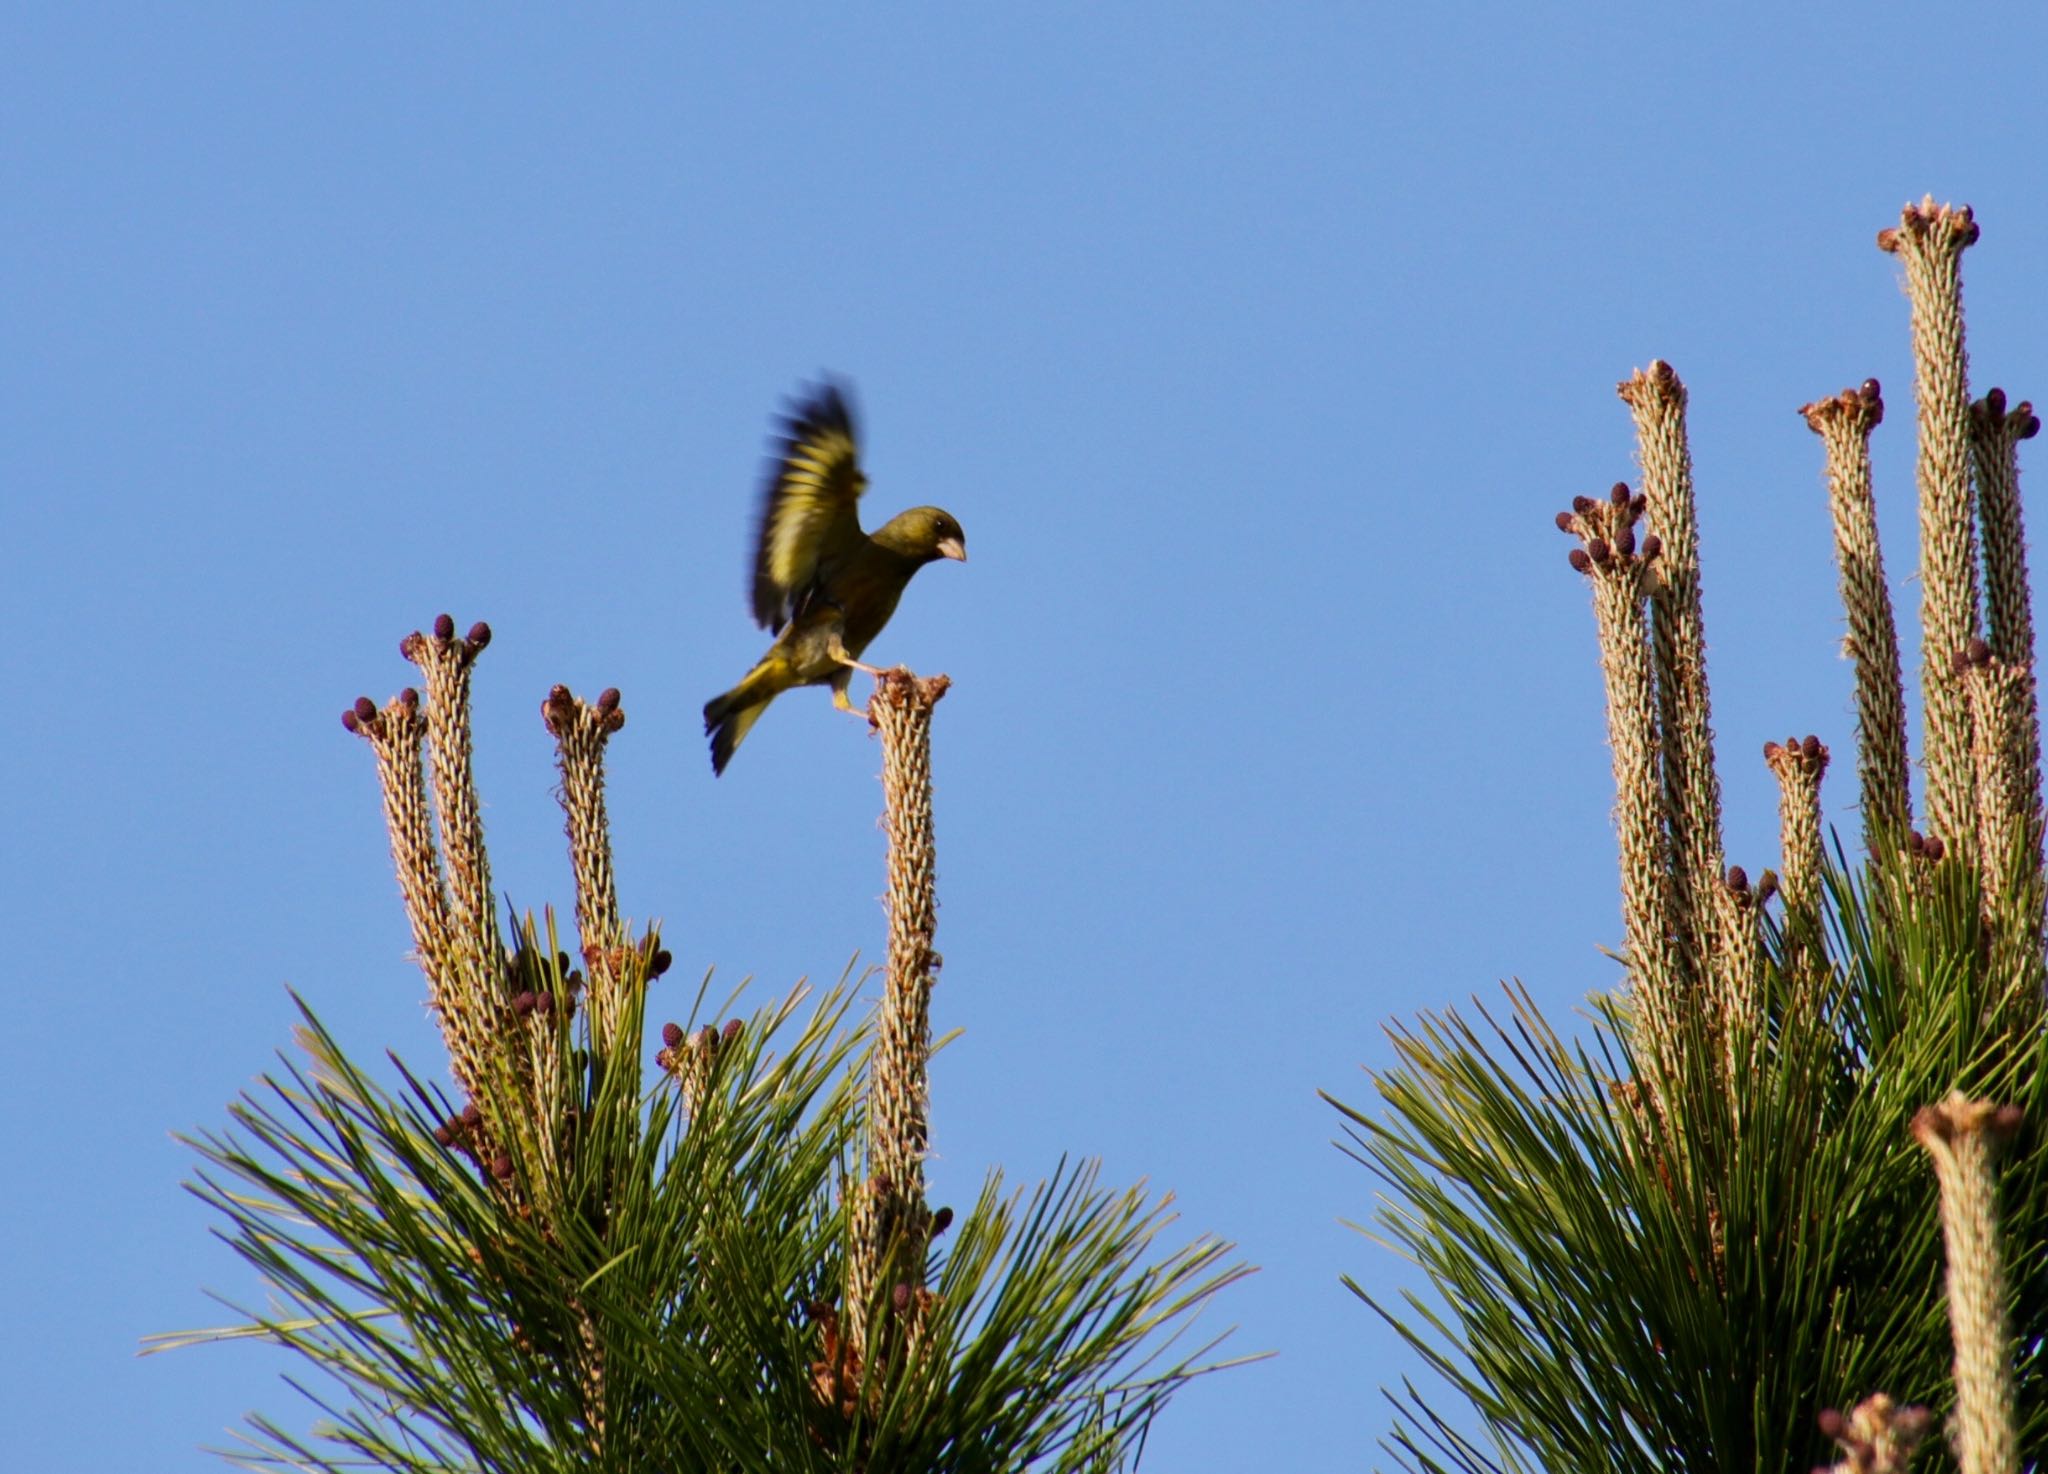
825 586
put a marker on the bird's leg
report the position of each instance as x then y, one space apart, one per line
844 702
837 650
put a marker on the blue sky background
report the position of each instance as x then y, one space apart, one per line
1255 347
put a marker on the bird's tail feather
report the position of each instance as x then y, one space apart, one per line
728 718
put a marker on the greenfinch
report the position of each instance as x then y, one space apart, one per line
821 583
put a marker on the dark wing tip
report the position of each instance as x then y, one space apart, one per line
820 408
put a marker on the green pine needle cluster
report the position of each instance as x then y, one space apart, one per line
1597 1310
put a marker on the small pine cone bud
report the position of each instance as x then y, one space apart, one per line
1831 1422
471 1116
1625 542
899 1297
2032 427
1579 561
409 699
444 626
1638 504
365 709
501 1167
479 635
561 962
608 700
1872 392
2007 1120
1738 879
1811 747
1994 405
1566 522
1934 849
671 1034
1766 887
543 1002
707 1038
659 963
1619 494
350 721
1583 504
1888 240
732 1030
557 709
1980 652
522 1004
1653 547
445 1133
1933 1121
1598 550
1771 751
1661 371
941 1221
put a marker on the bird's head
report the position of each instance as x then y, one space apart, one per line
923 533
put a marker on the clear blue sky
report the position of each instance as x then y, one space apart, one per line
1254 346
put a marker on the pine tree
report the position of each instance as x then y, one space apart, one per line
732 1266
1684 1242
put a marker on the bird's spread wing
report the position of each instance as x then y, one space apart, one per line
808 517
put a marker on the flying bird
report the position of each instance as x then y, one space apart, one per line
822 584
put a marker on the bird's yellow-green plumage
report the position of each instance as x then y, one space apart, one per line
822 584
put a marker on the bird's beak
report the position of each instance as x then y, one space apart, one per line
953 548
